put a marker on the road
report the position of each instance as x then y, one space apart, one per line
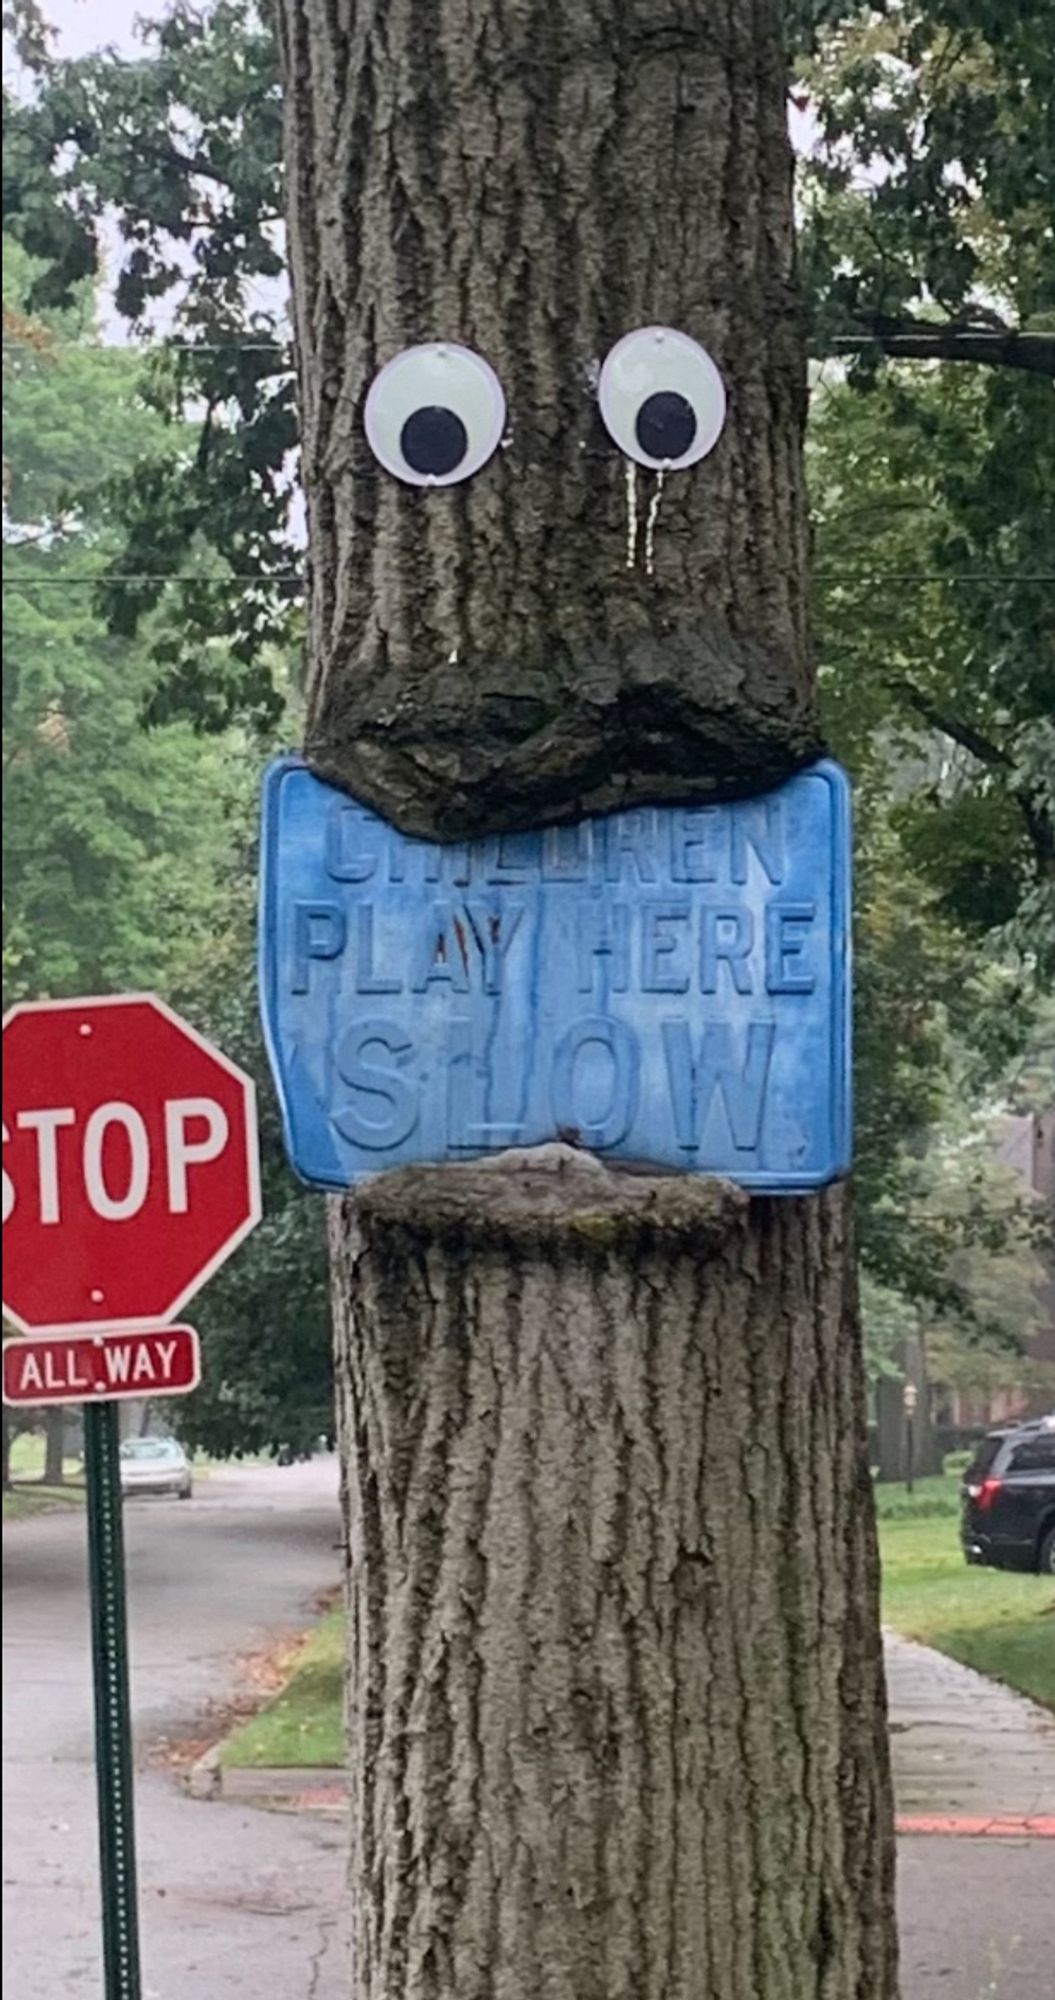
234 1901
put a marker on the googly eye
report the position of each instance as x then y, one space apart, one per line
434 414
662 398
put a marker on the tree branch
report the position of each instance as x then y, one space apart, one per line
963 733
1041 829
1040 826
913 340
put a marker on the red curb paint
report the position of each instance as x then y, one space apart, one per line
1040 1826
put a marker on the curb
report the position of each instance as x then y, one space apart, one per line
299 1786
1038 1826
204 1780
325 1789
292 1782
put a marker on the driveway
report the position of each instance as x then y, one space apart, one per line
234 1901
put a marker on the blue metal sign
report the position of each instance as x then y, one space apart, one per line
667 985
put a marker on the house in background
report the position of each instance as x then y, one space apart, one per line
1026 1144
946 1417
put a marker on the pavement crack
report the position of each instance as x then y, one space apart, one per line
326 1927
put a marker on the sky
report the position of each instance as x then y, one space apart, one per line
93 24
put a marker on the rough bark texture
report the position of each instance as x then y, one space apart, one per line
616 1716
54 1438
536 180
615 1695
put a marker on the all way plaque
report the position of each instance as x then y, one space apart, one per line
664 985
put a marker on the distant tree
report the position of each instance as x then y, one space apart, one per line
112 834
181 148
127 851
13 1423
926 192
934 510
264 1319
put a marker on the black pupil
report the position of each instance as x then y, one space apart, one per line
666 425
434 440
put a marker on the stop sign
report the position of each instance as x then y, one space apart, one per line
130 1165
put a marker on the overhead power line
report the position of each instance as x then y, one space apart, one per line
289 577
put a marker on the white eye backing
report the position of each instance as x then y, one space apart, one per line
662 398
434 414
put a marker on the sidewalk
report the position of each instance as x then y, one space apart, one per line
969 1755
971 1759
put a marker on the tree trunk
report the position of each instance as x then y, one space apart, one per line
616 1717
537 182
5 1451
54 1441
616 1711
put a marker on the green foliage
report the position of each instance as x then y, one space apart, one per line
181 147
938 656
109 832
927 198
264 1319
127 855
938 687
933 1499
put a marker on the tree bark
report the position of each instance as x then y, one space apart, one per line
536 182
616 1719
54 1439
615 1697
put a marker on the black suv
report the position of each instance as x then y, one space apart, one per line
1009 1499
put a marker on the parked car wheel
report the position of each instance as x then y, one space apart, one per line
1047 1554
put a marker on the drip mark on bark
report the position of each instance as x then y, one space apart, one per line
650 525
631 513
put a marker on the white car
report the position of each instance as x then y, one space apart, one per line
156 1465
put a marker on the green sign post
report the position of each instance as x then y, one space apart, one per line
113 1729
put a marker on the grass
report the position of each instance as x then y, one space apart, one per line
932 1499
27 1458
998 1622
29 1495
21 1502
303 1724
